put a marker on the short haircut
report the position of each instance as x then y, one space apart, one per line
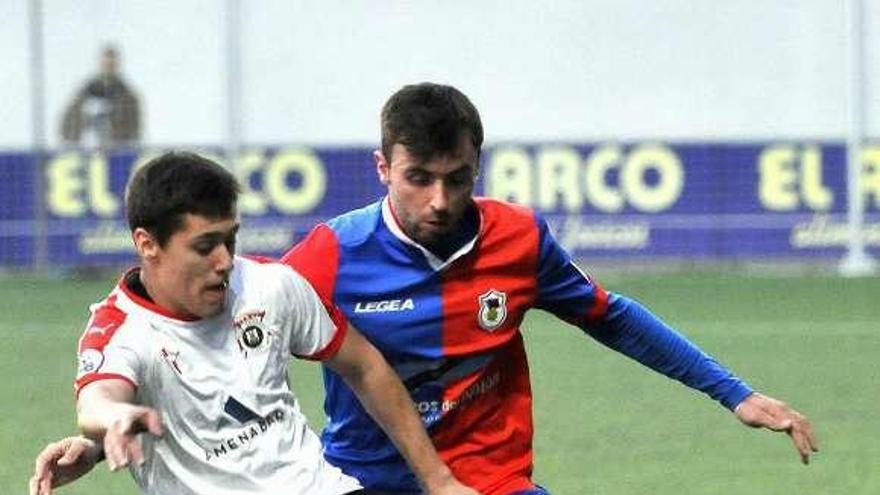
168 187
428 119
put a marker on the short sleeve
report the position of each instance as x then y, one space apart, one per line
317 259
106 350
317 328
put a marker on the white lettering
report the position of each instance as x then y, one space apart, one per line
575 233
432 410
822 231
391 305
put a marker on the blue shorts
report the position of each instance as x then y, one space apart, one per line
532 491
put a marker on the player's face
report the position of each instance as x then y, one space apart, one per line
429 198
190 274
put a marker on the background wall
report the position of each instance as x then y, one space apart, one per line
318 72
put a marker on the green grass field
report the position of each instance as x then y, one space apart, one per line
604 424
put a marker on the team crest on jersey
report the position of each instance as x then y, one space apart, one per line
493 309
251 332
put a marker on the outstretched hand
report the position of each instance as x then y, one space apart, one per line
62 462
761 411
121 443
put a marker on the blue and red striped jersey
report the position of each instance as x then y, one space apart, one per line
451 330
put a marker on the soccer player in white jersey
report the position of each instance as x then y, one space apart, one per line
191 348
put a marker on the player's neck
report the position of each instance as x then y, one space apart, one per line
135 284
146 278
461 235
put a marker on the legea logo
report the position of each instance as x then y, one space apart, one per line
390 305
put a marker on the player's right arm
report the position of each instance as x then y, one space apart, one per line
106 413
111 357
384 397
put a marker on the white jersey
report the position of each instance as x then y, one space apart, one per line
232 425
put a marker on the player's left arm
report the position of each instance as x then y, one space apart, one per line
631 329
626 326
384 397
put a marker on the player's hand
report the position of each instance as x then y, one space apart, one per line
450 486
761 411
121 443
62 462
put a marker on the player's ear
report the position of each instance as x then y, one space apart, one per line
383 168
145 244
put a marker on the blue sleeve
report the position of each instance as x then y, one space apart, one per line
626 326
562 288
629 328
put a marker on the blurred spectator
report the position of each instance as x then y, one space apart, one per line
105 112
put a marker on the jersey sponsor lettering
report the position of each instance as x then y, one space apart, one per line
245 436
433 411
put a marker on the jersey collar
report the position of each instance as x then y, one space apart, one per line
437 264
145 302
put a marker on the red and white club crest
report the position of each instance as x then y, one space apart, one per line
493 309
251 332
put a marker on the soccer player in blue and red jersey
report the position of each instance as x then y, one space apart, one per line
440 282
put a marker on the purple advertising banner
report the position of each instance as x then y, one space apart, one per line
611 200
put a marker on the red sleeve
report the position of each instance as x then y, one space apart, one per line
333 346
316 258
104 323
